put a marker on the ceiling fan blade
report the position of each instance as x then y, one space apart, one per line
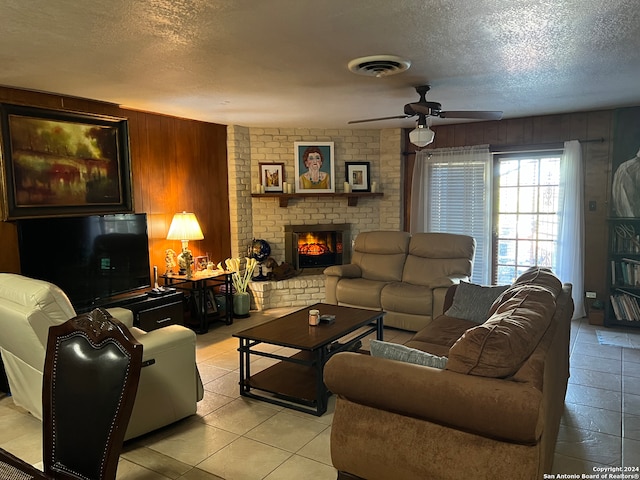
472 114
381 118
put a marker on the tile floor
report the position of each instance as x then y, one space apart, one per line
240 439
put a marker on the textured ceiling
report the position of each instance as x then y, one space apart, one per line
284 62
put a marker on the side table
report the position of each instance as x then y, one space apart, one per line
198 287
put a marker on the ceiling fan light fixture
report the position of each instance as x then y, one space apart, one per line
421 136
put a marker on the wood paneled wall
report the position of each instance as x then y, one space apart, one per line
180 164
535 131
176 164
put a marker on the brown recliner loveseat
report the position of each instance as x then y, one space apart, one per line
405 275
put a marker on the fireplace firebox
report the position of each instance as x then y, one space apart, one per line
312 248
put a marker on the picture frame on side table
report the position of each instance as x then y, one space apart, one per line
200 263
196 306
56 162
272 177
315 167
358 175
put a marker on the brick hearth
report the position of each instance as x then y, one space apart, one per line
294 292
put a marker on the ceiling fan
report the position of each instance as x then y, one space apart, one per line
434 109
423 135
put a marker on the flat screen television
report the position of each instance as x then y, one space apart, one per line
91 258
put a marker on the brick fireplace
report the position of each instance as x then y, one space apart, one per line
264 218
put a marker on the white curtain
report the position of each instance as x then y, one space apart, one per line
418 215
570 263
451 192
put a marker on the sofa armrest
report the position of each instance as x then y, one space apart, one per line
123 315
174 346
169 338
465 402
446 282
170 385
350 270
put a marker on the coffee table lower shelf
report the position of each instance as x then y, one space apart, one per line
296 381
289 384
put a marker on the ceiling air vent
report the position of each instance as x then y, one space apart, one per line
379 65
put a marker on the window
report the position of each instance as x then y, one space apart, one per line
457 190
526 213
537 201
459 197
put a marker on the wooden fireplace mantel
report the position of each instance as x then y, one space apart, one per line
283 198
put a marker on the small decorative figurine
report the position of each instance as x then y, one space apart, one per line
185 262
169 260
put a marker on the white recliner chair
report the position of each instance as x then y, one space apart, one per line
169 387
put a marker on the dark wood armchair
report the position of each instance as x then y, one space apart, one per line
91 376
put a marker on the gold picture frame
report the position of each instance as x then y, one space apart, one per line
58 163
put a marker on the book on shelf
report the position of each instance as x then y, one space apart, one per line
625 272
625 306
628 242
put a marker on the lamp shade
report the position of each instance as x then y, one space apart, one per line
421 136
185 226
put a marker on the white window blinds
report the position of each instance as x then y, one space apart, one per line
455 198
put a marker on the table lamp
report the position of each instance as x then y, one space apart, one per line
185 227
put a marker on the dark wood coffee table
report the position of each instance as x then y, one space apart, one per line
296 380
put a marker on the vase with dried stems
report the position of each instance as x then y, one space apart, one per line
242 271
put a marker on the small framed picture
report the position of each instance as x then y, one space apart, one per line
314 167
358 176
196 305
272 176
200 263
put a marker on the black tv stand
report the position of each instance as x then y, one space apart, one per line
128 297
149 311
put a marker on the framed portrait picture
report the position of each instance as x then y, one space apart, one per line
358 176
272 176
315 167
63 163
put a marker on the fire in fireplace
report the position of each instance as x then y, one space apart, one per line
315 247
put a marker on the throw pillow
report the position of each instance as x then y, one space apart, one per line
472 302
395 351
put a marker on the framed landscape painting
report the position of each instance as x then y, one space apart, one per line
314 167
63 163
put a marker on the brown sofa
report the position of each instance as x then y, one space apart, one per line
405 275
493 412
